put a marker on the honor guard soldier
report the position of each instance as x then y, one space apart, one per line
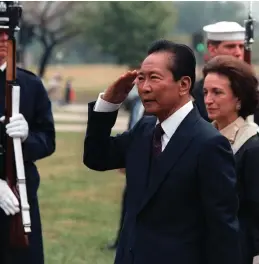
33 128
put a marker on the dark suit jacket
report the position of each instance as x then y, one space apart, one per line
36 109
247 159
187 214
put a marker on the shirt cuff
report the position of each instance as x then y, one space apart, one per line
104 106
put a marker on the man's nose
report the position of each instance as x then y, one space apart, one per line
146 86
238 52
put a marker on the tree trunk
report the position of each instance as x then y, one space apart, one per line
21 56
44 60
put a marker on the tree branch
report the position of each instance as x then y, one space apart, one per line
46 8
61 11
67 35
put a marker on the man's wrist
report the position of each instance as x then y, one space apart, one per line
108 99
103 105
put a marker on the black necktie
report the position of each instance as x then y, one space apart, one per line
157 143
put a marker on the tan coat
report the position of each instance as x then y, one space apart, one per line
238 132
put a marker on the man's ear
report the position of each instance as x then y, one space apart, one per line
185 85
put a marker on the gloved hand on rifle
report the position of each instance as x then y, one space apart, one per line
256 260
17 127
8 201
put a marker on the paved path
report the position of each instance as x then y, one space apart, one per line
121 125
73 118
77 108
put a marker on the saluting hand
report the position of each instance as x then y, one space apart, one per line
120 89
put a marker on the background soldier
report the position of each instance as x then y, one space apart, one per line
223 38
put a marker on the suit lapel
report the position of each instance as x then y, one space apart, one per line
143 155
175 148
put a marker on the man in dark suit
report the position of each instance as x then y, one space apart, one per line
35 126
181 183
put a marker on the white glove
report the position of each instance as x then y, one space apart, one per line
17 127
8 201
256 260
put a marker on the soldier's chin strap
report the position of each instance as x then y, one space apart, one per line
20 173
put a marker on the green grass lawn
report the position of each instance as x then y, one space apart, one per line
79 208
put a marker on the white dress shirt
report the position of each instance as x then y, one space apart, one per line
173 121
3 66
169 125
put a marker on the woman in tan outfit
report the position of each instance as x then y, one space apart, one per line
230 94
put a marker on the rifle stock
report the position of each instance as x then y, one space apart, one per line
247 56
18 238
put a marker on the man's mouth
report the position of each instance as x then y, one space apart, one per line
148 101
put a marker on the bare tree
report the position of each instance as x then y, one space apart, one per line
51 23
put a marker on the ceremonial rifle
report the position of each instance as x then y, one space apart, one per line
249 36
20 224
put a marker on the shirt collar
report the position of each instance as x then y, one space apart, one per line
3 67
172 122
